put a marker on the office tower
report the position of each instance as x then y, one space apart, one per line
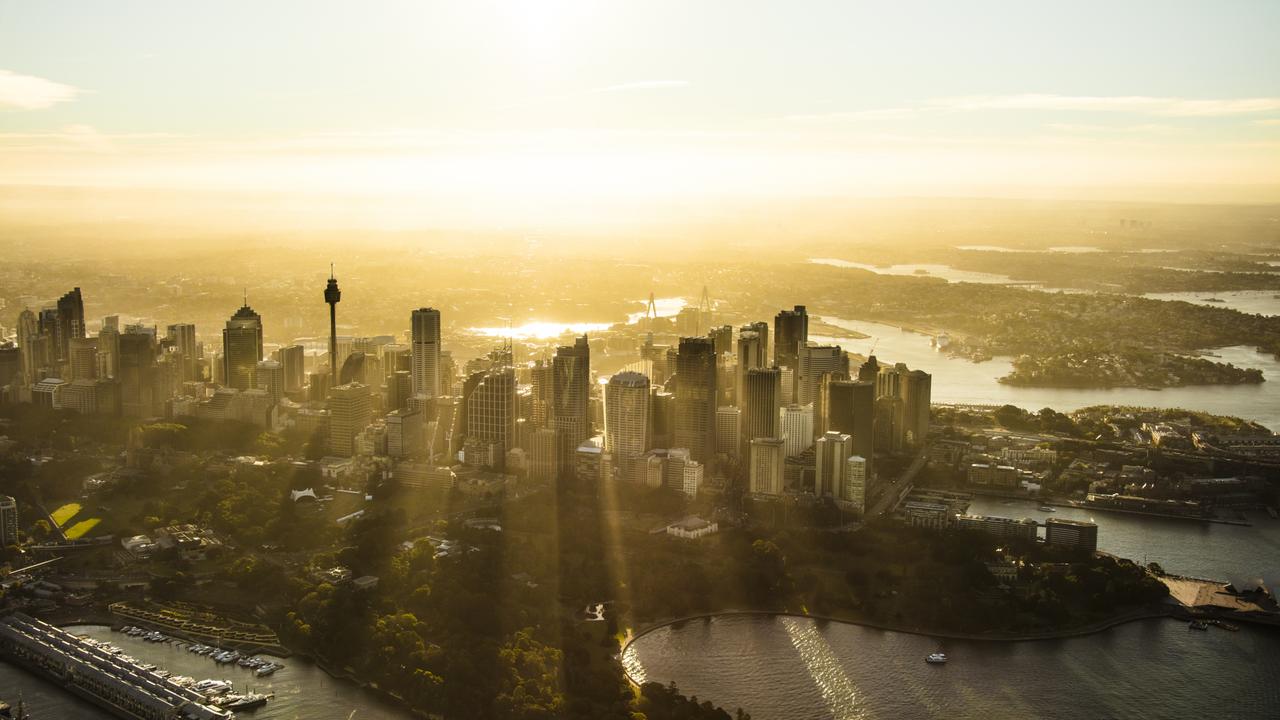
317 386
790 330
183 338
857 487
869 371
797 428
812 363
82 358
32 345
490 416
571 395
352 369
242 348
788 385
851 409
109 347
8 522
424 344
293 362
761 329
917 388
728 431
399 389
662 419
761 400
406 432
688 321
696 396
691 474
10 365
270 376
67 324
626 419
542 380
767 465
139 377
751 354
350 412
723 338
832 452
1078 534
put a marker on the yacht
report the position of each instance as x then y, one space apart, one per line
266 670
1048 508
936 658
1198 625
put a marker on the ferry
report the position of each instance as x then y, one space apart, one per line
936 658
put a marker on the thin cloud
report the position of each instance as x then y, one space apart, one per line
641 85
1141 104
27 92
854 115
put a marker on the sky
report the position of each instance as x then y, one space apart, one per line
555 103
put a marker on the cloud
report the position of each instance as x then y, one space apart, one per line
25 92
1140 104
1145 129
854 114
641 85
1268 122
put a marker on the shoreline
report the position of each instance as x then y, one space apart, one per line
1175 612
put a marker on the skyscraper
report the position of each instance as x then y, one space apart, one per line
729 431
69 324
767 465
350 411
761 399
797 428
242 348
857 487
8 521
696 397
425 348
813 362
82 358
183 338
139 377
626 423
851 409
33 345
491 416
751 354
832 452
571 396
293 361
790 329
270 377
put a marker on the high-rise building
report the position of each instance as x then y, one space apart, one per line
917 399
832 452
662 419
851 409
766 466
813 363
491 416
242 348
729 431
425 348
293 361
406 432
68 324
182 337
761 400
696 397
10 366
8 521
902 407
797 428
857 489
722 337
790 330
1079 534
82 358
626 419
270 376
544 454
761 329
109 347
33 345
751 354
350 412
571 396
140 394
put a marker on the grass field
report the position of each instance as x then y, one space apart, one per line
77 531
64 514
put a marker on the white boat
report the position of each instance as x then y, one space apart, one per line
1048 508
936 658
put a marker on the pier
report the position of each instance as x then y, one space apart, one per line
114 683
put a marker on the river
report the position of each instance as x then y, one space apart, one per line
302 690
957 380
784 668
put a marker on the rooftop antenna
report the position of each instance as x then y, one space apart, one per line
246 297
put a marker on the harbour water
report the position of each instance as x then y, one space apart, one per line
957 380
302 690
784 668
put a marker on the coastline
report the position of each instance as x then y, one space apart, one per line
1175 612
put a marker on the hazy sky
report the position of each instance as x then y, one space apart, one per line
593 100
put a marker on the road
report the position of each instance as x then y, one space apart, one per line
888 499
